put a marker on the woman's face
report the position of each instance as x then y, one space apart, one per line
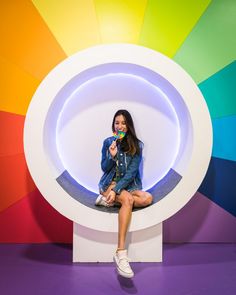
120 123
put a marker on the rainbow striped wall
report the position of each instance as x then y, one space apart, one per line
199 35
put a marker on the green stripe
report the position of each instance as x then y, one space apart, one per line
220 92
212 43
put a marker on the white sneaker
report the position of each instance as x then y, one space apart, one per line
101 201
122 264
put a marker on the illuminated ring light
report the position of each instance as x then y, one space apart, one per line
74 101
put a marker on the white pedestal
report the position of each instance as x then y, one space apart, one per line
96 246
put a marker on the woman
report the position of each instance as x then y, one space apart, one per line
121 182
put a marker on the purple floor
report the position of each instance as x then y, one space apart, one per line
187 269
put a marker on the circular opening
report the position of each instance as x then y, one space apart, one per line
80 117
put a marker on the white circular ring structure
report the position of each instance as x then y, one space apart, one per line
191 165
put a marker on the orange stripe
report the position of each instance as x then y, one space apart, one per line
11 134
26 40
17 88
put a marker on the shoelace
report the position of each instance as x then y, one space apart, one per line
124 261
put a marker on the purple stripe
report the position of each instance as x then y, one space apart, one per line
201 220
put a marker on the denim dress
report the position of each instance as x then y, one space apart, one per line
123 167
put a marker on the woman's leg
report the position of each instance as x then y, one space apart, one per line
126 200
141 198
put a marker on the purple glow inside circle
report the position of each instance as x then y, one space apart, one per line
160 101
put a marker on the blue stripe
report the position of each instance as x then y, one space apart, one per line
224 138
219 184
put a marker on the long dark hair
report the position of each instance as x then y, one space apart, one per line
130 143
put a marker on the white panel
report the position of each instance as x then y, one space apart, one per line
96 246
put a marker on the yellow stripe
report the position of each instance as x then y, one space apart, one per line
72 22
167 23
120 20
17 88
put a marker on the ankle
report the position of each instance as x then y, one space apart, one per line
119 249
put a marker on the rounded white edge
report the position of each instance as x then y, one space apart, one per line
44 96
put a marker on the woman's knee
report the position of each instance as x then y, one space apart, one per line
126 198
148 199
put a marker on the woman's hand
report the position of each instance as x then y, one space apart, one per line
111 197
113 149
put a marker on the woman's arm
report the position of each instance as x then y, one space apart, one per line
107 160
